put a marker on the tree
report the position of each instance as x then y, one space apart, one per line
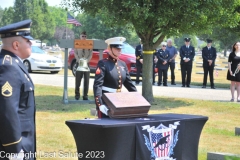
225 35
1 13
7 16
43 25
153 20
98 30
48 27
180 41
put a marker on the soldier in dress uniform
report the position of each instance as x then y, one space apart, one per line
17 109
163 57
85 54
139 60
208 55
110 75
187 53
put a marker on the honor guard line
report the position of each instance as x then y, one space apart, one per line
78 44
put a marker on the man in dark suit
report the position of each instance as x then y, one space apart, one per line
209 56
187 53
139 60
17 109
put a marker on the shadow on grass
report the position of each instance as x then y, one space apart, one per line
165 103
55 103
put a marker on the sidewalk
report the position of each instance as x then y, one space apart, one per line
195 92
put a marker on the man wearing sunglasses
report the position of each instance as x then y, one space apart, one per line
85 54
163 57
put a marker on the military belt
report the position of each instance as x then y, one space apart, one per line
112 90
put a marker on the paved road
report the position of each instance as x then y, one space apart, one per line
195 92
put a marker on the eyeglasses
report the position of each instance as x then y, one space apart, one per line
84 36
164 46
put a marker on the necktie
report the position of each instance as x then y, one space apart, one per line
83 52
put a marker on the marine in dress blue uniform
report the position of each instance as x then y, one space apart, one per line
209 55
139 57
17 109
187 53
111 74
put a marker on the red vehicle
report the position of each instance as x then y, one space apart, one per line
128 56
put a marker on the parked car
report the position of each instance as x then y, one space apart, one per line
128 56
41 61
38 43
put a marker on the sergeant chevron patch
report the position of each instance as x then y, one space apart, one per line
7 90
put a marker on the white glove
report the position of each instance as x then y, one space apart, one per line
184 58
103 109
18 156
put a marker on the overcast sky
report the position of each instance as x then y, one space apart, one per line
8 3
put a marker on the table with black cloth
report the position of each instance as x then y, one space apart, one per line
154 137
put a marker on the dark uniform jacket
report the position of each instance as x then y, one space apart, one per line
208 54
187 53
17 106
139 54
113 74
162 56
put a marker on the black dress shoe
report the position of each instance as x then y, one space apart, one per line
85 98
76 98
183 85
213 87
160 84
173 83
203 86
188 86
165 85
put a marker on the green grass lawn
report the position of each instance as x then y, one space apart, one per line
53 136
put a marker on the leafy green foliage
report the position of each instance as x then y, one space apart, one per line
43 25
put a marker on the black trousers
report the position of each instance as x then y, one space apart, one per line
172 68
139 69
208 69
186 70
162 73
154 66
78 79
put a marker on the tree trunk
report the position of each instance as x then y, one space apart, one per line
225 51
147 91
147 77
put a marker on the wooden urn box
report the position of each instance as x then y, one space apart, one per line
126 104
